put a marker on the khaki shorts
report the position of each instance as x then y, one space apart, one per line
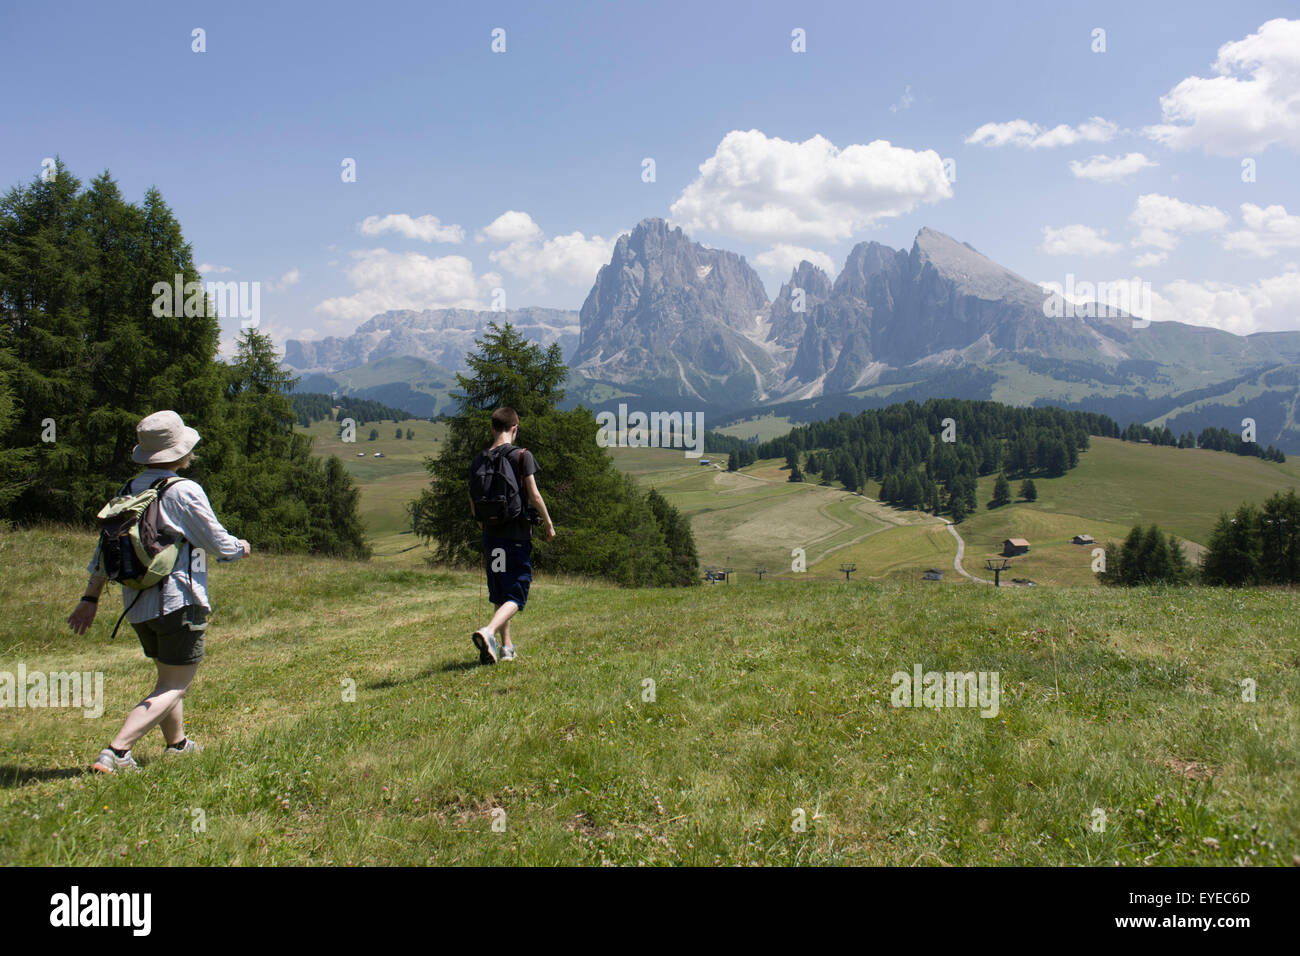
175 638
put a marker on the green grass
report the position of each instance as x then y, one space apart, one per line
764 426
755 518
768 699
1181 489
387 484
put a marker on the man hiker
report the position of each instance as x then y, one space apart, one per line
505 500
170 617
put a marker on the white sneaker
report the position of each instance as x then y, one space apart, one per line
486 642
191 747
109 762
508 653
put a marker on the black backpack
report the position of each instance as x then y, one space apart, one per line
495 487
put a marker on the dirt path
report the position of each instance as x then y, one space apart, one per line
871 508
961 550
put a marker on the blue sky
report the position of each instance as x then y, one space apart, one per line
517 170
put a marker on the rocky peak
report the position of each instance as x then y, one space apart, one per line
787 325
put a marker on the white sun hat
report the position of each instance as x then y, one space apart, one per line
163 438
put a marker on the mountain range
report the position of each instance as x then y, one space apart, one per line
672 324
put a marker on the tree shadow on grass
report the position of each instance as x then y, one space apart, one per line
12 777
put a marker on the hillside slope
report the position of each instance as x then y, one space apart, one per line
755 517
767 700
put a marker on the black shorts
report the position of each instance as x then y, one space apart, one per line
509 567
175 638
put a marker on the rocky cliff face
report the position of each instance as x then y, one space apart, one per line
441 336
942 303
669 313
672 321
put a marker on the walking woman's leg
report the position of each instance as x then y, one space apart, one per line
173 723
173 681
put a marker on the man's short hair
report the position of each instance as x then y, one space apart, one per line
504 419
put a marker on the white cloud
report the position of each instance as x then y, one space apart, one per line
783 258
408 280
424 228
1148 259
290 278
573 259
1267 230
905 102
1269 305
510 226
1110 169
1077 240
1252 104
1019 132
207 268
762 188
1160 219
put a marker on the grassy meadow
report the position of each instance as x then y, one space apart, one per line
755 517
768 699
387 483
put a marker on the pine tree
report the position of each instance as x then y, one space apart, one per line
911 492
607 527
1129 568
683 569
1279 525
1153 556
957 506
1180 569
1235 549
1028 490
270 486
14 462
1001 492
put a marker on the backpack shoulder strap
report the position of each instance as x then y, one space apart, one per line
161 486
519 458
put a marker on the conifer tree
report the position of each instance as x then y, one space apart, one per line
1001 492
607 527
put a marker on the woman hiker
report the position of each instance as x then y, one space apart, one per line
170 617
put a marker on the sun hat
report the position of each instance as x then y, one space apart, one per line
163 438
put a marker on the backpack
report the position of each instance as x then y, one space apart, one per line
135 552
495 487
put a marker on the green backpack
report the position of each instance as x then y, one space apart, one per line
135 552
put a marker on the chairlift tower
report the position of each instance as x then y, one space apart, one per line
848 569
997 566
760 572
